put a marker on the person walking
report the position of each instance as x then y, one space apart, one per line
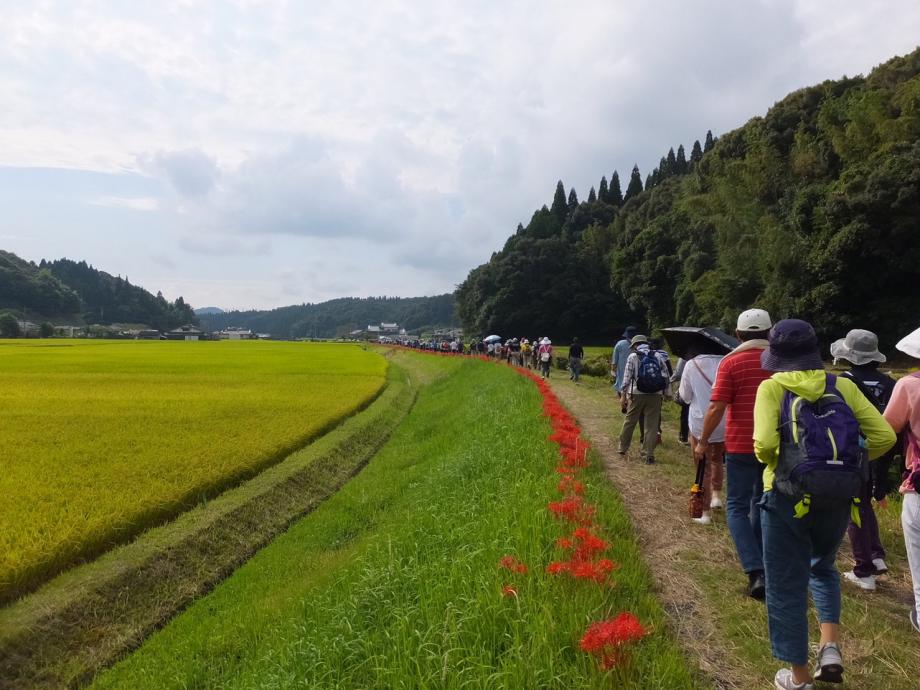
683 435
621 353
576 354
645 380
695 390
526 352
545 355
807 429
860 349
733 392
903 413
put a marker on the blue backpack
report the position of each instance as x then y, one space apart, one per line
650 378
821 455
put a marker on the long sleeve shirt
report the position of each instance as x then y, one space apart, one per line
631 370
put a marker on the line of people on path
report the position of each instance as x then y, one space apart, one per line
796 444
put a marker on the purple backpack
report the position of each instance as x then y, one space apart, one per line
821 453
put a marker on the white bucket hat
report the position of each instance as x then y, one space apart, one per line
910 344
754 320
546 341
859 347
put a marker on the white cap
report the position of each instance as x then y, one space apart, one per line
754 320
910 344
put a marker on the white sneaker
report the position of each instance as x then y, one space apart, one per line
704 520
785 681
867 582
716 502
880 566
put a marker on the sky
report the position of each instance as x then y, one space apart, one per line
248 154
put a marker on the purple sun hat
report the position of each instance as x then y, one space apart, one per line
793 347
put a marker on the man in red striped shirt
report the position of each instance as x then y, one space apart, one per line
735 390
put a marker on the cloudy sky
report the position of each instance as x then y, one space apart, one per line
256 154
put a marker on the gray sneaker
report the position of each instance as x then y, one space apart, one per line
785 681
830 664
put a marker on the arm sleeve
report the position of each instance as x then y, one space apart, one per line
766 421
722 386
685 391
879 434
627 375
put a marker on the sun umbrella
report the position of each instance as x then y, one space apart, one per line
693 340
492 339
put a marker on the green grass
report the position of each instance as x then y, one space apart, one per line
393 582
104 439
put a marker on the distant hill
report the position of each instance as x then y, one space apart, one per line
66 291
107 299
340 316
204 311
29 290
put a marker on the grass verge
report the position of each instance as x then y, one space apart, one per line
394 581
84 619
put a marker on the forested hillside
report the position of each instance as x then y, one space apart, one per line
811 210
26 288
66 291
340 316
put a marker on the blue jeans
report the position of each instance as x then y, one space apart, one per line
744 476
800 554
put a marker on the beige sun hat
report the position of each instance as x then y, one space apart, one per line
859 347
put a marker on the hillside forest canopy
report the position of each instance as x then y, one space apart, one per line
809 211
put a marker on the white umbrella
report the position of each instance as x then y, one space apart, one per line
492 339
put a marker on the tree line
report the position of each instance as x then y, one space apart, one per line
810 210
70 291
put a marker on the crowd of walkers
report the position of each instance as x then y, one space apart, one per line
803 454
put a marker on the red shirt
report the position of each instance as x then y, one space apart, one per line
736 384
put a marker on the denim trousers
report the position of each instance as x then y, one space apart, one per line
800 554
744 475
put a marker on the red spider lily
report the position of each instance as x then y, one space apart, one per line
574 509
565 469
512 564
557 567
569 485
591 570
608 640
509 591
564 543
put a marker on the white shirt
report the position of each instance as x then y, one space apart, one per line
696 391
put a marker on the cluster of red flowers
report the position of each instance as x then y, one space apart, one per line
512 564
607 640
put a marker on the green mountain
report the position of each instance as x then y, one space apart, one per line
107 299
66 291
340 316
809 211
27 289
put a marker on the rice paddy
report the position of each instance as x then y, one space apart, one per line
104 439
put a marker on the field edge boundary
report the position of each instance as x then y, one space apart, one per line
88 617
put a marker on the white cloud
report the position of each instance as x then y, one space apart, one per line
408 136
133 203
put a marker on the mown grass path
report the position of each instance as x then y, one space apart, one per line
395 582
697 576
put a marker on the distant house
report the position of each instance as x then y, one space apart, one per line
389 327
373 329
236 334
27 329
147 334
187 332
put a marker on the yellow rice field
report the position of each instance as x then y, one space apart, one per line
99 440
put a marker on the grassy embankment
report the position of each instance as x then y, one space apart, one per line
394 581
104 439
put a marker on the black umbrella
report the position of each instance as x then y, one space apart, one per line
688 341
